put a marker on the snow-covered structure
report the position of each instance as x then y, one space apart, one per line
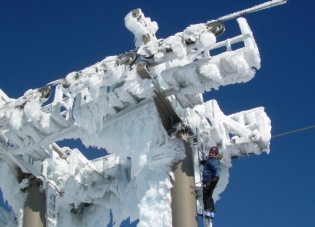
116 105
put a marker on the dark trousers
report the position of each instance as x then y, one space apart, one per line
208 188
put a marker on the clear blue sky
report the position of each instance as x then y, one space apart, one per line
41 41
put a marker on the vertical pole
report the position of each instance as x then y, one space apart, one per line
183 192
35 206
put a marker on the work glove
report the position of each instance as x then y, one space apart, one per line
215 179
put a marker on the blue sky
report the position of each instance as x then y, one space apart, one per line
41 41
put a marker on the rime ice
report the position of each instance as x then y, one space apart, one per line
109 105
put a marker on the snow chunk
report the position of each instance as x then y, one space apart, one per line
140 26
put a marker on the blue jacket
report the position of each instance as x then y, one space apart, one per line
211 169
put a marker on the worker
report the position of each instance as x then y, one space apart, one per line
210 177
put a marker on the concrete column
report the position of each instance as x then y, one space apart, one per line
183 192
35 206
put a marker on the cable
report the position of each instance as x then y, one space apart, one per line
290 132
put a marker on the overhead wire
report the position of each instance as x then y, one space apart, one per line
293 131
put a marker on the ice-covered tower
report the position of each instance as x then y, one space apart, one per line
146 108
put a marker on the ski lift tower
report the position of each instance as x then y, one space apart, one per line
164 76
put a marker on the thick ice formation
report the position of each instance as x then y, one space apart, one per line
136 180
110 105
11 192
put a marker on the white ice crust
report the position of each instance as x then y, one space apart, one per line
108 106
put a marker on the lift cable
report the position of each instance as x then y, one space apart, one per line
294 131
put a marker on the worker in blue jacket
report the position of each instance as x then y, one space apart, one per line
210 177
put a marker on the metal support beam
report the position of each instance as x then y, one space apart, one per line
35 206
183 192
168 115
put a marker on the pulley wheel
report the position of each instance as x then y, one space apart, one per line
45 91
216 27
127 59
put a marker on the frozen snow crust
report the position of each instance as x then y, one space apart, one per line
136 180
110 106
